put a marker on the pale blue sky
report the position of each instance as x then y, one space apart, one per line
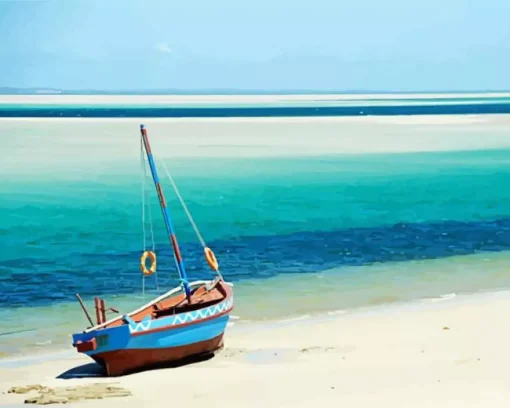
399 45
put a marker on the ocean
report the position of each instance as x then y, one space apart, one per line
321 106
306 216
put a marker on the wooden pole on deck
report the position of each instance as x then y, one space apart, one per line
84 310
103 311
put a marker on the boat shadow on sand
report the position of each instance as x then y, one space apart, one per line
94 370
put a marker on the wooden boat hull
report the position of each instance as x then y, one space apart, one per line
131 346
121 362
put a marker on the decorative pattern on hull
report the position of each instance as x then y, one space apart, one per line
182 318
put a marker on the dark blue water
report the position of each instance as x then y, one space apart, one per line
262 111
248 257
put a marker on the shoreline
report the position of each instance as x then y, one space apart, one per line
239 325
374 355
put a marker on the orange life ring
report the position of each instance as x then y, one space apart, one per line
211 259
152 257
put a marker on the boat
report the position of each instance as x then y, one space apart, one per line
188 321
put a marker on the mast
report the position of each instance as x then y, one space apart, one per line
165 211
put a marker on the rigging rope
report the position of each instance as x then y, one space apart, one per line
146 197
150 217
150 221
185 207
142 167
191 220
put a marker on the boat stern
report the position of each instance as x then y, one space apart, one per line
88 342
101 340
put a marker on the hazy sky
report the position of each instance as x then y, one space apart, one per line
262 44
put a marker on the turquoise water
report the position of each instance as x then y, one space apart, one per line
296 235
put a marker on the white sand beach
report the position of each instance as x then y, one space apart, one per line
50 98
451 353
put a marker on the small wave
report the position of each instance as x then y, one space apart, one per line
294 319
43 343
441 298
337 312
234 317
